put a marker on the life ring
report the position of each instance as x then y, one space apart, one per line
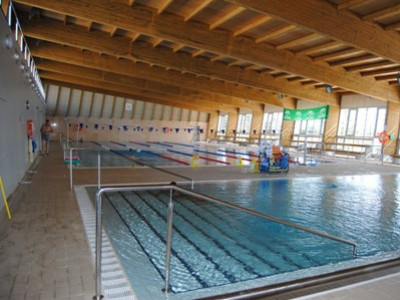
383 137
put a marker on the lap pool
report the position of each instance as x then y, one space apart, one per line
215 246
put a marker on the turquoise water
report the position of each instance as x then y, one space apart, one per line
88 158
214 245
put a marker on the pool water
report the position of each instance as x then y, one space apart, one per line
215 245
88 158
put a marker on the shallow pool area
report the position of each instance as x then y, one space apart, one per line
215 246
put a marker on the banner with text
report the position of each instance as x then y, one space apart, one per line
321 112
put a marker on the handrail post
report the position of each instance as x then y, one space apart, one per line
169 239
70 168
98 169
98 295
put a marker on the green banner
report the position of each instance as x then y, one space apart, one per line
321 112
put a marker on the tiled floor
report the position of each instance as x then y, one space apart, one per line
44 252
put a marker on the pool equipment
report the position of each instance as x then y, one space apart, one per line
273 160
254 168
195 160
75 160
239 161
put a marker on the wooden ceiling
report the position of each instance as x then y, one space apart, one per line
239 53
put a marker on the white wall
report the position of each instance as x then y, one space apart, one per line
14 92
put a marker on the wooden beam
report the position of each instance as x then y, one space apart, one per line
385 71
178 47
130 2
89 26
172 28
134 93
352 60
369 66
388 10
275 32
157 42
100 42
386 77
392 26
179 92
343 4
4 6
298 40
107 63
225 16
113 31
324 18
197 9
251 24
198 52
135 37
339 53
313 49
164 6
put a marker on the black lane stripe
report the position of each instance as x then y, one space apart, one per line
151 259
222 247
173 252
290 247
215 241
231 237
276 252
230 277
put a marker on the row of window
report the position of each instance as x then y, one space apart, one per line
357 126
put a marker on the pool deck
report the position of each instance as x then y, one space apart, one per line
44 253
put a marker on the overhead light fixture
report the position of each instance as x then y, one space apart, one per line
328 88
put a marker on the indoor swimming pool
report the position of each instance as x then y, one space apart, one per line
215 246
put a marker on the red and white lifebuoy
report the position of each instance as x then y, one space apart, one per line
383 137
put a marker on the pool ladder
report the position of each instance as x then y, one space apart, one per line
174 188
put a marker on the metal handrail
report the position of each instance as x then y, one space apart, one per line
71 167
173 187
191 180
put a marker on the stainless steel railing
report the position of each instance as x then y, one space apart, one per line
173 187
140 162
71 164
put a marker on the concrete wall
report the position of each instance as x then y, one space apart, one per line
15 91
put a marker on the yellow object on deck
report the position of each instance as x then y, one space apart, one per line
5 198
239 161
195 160
254 166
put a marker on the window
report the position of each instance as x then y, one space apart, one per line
222 124
272 126
243 126
360 126
312 130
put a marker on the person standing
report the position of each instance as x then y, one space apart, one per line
46 130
